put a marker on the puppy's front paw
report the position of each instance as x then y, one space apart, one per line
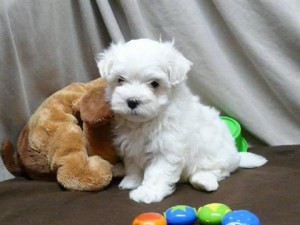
130 182
146 195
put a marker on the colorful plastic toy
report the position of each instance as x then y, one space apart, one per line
149 219
180 215
236 132
240 217
212 214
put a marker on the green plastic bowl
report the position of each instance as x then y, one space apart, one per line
236 132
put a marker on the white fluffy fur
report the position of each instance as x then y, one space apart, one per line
170 136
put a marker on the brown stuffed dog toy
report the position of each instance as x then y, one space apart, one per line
67 138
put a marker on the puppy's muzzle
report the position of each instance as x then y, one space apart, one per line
133 103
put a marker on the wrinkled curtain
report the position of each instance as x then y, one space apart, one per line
245 54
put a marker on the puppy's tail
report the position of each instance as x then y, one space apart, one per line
251 160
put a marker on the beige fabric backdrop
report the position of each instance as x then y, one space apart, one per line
245 54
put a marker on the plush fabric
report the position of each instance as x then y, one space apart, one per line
271 192
67 139
245 54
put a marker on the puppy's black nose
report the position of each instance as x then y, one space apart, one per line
132 103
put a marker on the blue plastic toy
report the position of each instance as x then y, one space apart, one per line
240 217
180 215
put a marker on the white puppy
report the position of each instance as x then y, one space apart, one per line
163 132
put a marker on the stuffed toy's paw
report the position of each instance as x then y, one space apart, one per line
79 176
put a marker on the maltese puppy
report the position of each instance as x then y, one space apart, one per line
162 131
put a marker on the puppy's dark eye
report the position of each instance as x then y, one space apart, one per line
121 80
154 84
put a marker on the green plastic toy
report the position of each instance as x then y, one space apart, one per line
212 214
236 131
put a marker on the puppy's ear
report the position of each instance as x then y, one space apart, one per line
179 66
105 60
104 63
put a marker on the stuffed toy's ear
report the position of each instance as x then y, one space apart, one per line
179 66
94 110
